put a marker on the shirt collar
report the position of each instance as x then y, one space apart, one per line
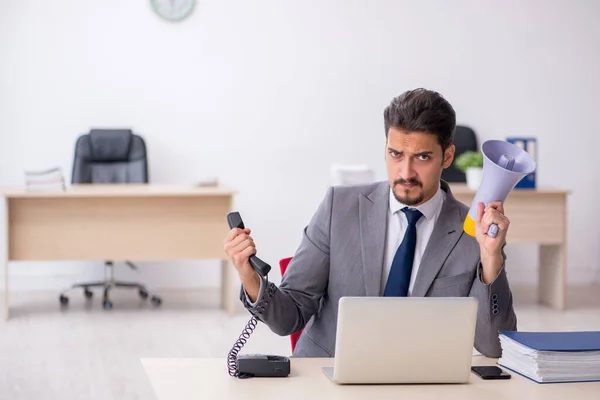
428 209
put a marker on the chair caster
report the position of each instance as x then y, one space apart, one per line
107 304
88 293
64 300
143 294
157 301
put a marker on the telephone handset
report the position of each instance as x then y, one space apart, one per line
254 365
234 220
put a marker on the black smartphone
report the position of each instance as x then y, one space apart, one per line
490 372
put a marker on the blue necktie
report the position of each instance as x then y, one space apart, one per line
399 277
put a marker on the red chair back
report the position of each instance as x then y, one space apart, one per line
283 263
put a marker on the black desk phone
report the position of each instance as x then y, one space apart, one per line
254 365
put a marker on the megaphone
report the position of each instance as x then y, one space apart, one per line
504 165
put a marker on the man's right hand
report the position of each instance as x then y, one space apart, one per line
239 246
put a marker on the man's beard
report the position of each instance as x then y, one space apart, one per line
409 201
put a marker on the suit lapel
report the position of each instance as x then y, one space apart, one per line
373 228
448 229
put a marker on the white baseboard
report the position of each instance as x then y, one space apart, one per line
575 276
29 276
26 276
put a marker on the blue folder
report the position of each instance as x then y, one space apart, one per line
581 341
557 341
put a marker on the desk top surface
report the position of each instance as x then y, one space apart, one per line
195 378
120 190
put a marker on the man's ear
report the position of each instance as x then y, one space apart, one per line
449 156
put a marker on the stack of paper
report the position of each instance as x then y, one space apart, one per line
552 356
351 174
48 180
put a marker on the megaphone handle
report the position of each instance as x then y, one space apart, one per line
493 231
506 161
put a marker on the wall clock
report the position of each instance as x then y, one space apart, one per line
173 10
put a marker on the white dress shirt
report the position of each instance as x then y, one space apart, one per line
397 224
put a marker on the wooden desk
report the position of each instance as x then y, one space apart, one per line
192 378
118 222
537 216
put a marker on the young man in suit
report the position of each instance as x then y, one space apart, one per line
401 237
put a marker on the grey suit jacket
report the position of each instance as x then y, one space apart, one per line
342 253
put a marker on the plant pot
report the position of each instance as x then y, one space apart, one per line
474 176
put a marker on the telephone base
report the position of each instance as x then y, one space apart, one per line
261 365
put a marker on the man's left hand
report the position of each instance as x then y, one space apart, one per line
491 248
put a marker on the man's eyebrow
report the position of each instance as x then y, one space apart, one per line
420 153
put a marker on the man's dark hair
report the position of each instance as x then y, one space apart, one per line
422 110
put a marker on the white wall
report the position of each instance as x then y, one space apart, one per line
267 94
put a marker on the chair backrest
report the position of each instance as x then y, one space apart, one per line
464 140
283 264
110 156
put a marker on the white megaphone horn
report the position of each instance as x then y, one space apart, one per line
504 165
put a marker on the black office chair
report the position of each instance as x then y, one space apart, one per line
110 156
464 140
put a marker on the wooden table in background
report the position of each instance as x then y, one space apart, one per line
168 222
537 216
118 222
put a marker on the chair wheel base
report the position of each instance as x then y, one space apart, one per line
107 287
107 304
157 301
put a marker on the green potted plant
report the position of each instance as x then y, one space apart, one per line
471 164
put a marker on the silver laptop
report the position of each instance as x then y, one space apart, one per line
388 340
